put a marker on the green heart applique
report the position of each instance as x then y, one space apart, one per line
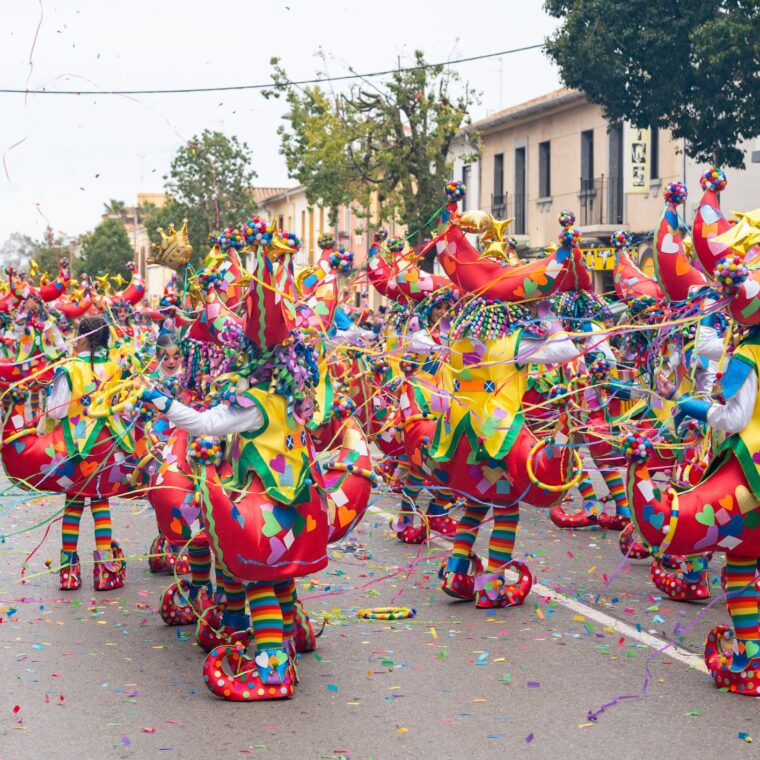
50 451
529 287
752 649
90 388
706 516
271 526
752 520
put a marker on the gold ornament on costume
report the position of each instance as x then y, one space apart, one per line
688 249
34 269
174 250
492 232
301 276
118 280
277 247
744 235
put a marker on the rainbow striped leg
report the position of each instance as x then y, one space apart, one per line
742 606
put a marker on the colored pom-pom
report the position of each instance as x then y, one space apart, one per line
570 237
621 239
342 260
455 190
637 448
396 244
731 272
213 238
713 179
204 449
408 363
599 369
231 237
291 239
343 407
381 234
326 240
256 231
675 192
558 394
566 218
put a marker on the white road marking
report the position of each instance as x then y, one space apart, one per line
694 661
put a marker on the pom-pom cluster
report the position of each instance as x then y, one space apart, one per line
675 192
342 260
213 238
557 395
636 447
599 369
731 272
381 234
343 407
19 395
326 240
713 179
455 190
231 237
621 239
569 237
291 239
379 365
256 231
566 218
204 449
409 363
396 244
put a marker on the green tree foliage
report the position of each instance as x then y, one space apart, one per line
393 140
209 184
692 66
105 250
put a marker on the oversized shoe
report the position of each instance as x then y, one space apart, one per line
70 574
584 518
182 605
443 524
676 585
630 544
233 675
492 589
738 677
613 521
458 576
163 558
156 563
109 573
216 629
304 637
407 532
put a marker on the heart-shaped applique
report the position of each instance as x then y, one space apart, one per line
752 648
311 524
278 463
49 451
682 265
744 498
87 468
668 244
271 526
706 516
285 516
657 520
345 516
277 550
734 527
727 502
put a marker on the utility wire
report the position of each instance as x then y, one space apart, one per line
7 90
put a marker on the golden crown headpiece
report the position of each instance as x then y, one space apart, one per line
174 250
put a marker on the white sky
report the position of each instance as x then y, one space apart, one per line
80 151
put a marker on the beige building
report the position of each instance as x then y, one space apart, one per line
557 152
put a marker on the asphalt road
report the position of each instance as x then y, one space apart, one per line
100 676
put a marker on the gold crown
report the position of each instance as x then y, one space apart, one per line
174 250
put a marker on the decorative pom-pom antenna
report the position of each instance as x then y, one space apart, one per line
731 272
381 234
326 241
636 447
396 244
231 237
566 218
621 239
675 192
455 191
713 179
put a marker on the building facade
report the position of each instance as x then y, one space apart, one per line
558 152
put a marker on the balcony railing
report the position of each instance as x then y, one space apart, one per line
600 201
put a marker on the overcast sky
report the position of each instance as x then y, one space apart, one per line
64 156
